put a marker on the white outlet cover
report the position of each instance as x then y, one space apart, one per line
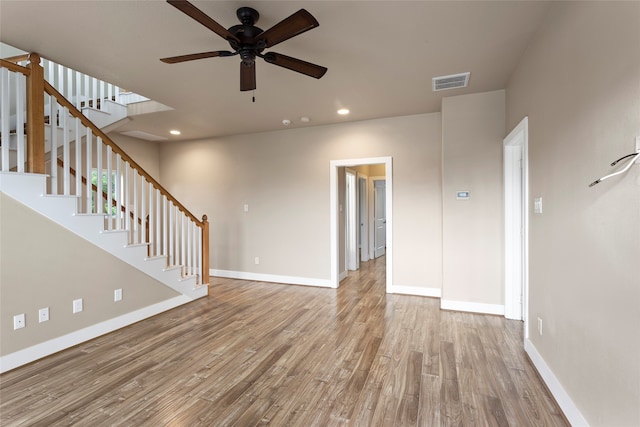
19 321
43 314
77 305
117 295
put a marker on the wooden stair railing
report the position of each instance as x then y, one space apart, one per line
37 88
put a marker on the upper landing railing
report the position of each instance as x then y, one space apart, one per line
43 132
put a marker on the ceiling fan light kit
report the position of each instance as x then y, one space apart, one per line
249 41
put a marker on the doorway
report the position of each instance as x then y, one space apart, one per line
516 223
336 209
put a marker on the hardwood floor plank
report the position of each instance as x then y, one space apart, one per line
258 354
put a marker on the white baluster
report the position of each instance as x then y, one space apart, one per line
98 200
127 200
4 116
69 95
78 78
21 93
109 202
118 192
101 94
165 222
135 207
85 91
89 145
66 153
143 210
151 220
158 222
78 158
54 146
171 234
199 255
60 81
94 92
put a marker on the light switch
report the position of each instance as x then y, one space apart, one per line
537 205
246 207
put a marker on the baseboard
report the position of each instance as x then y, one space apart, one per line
472 307
416 290
259 277
570 410
38 351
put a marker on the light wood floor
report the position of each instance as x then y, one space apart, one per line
255 354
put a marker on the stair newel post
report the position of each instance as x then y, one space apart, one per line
205 251
35 116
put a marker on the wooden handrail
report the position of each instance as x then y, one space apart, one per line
96 131
17 58
15 67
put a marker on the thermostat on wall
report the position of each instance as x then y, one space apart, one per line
463 195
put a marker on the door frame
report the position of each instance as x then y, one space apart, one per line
352 222
334 213
372 217
516 202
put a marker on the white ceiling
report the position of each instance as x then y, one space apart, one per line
381 56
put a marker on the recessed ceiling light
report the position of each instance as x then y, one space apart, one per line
174 132
305 119
343 111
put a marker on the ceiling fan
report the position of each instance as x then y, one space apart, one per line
249 41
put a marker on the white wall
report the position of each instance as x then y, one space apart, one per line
284 178
473 127
579 84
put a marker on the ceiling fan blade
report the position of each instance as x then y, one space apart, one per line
195 13
294 64
191 57
295 24
247 76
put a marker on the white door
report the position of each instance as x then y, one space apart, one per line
351 221
363 218
379 218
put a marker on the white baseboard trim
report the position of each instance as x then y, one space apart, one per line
472 307
38 351
343 276
259 277
574 416
416 290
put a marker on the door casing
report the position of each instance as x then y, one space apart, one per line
334 213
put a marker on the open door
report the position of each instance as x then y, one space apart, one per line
379 218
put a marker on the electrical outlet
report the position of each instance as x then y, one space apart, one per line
19 321
77 305
539 326
257 260
117 295
43 314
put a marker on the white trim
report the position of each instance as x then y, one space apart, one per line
334 214
343 275
275 278
416 290
472 307
570 410
518 137
38 351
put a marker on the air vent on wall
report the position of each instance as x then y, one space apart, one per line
452 81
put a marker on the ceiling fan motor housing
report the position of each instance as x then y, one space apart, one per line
246 33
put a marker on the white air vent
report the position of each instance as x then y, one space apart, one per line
452 81
144 135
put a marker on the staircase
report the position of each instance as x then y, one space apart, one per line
57 161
